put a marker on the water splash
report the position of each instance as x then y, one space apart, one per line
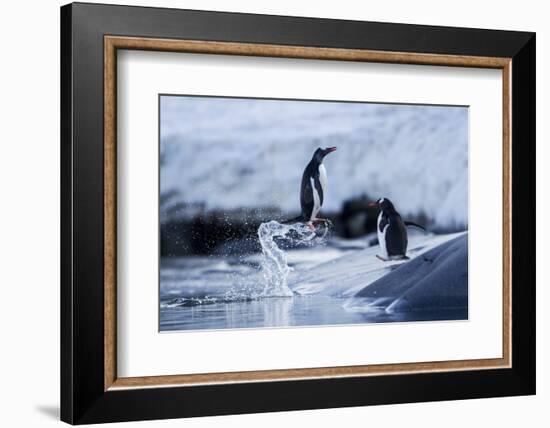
275 269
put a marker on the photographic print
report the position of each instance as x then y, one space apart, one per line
282 213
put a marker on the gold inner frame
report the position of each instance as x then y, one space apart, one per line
113 43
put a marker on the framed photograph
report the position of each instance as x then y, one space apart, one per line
265 213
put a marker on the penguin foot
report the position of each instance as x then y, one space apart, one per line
326 221
399 257
392 258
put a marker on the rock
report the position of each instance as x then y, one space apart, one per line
433 281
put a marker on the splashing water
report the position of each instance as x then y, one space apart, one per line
272 280
275 269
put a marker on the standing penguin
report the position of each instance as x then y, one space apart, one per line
392 231
314 186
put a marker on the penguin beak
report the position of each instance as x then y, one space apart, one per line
372 204
330 149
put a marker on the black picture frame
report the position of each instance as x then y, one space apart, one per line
83 397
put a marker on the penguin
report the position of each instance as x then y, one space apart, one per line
392 231
314 187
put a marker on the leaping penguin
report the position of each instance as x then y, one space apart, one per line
392 231
314 187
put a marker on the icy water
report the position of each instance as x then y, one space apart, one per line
285 312
311 286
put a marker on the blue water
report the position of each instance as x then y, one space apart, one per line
294 311
311 286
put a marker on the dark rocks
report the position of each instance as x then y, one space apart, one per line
436 280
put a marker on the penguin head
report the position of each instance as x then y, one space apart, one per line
384 204
320 153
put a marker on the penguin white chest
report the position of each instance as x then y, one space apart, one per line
382 236
316 201
316 197
323 178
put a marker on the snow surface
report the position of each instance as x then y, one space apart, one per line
349 274
228 153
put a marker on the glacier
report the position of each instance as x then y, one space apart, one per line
229 153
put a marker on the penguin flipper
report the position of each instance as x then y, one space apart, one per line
384 221
413 224
306 198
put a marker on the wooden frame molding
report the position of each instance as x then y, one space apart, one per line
113 43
